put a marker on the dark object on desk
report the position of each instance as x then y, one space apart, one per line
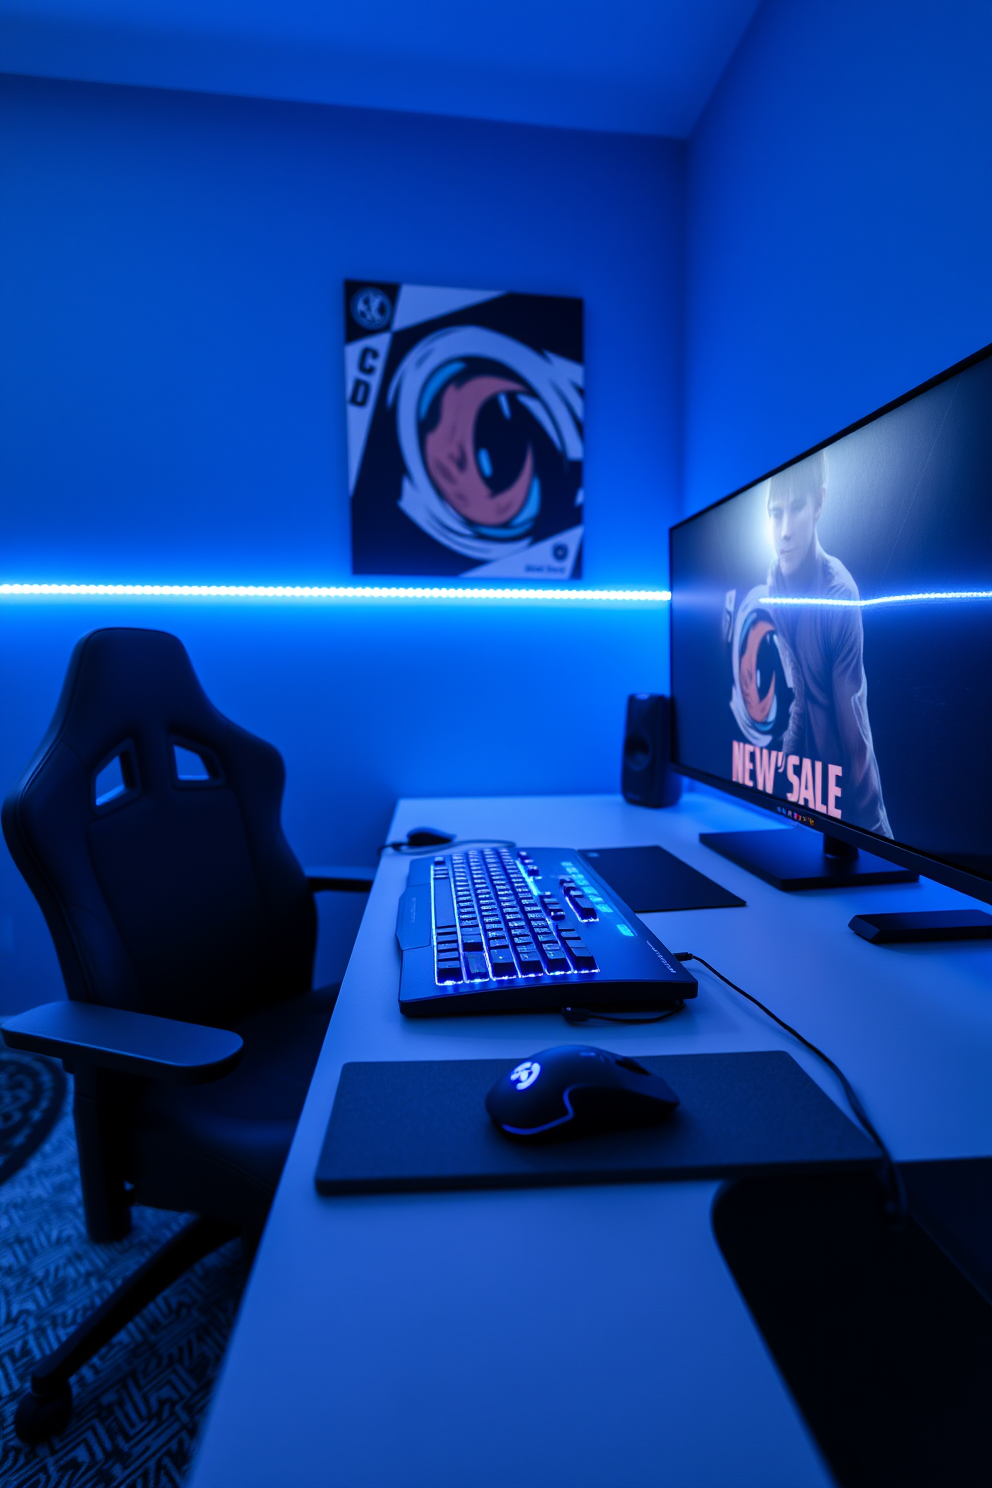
793 858
490 930
885 1346
577 1090
952 1199
647 777
651 880
147 826
922 925
428 837
422 1125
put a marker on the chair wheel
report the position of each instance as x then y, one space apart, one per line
40 1416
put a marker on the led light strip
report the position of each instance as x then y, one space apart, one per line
885 599
478 592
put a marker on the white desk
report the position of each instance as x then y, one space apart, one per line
591 1335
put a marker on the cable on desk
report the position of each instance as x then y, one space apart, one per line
895 1207
453 844
583 1015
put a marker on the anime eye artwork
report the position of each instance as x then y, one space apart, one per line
465 432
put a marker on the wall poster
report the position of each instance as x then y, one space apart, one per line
465 430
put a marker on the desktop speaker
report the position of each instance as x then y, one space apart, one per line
648 778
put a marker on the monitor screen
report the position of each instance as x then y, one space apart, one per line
831 634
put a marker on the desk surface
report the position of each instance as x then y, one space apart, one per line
578 1336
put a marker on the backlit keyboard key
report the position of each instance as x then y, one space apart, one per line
582 955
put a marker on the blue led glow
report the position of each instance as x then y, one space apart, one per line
587 887
525 1074
109 783
475 593
884 599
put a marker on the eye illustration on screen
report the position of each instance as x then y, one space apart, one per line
764 673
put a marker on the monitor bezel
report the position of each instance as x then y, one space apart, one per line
962 879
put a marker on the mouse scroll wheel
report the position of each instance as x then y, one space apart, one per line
632 1064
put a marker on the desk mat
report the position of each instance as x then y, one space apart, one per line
420 1125
650 879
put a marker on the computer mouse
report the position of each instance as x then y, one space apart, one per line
428 837
577 1090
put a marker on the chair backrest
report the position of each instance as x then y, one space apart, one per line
147 826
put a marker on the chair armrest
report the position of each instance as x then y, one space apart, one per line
132 1043
344 879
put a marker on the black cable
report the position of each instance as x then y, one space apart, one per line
583 1015
896 1206
437 849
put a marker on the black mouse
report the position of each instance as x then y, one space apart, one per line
428 837
577 1090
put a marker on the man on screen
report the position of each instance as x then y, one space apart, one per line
826 642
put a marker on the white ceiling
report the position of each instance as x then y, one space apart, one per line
637 66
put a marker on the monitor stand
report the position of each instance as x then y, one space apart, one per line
797 858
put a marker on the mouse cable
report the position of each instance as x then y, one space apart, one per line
895 1207
455 843
583 1015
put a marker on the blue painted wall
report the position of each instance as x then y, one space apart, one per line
171 403
839 223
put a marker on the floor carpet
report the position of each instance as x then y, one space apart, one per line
31 1094
139 1402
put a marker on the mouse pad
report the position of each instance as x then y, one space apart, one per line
649 880
419 1125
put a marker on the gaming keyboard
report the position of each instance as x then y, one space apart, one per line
489 930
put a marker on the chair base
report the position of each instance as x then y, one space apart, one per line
46 1408
40 1416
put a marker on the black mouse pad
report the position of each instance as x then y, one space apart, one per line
423 1125
649 880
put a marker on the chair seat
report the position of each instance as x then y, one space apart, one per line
218 1149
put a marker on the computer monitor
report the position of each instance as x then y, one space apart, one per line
831 647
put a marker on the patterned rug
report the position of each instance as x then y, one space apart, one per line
139 1402
31 1095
